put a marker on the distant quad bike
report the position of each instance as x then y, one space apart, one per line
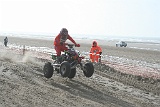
67 64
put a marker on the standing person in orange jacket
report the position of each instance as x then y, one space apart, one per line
59 42
95 52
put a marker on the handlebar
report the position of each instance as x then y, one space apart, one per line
71 45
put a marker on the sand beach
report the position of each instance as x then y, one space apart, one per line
127 77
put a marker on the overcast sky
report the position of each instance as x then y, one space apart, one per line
96 17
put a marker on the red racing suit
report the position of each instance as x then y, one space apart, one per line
59 43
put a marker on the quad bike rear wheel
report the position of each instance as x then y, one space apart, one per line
88 69
72 73
65 69
48 70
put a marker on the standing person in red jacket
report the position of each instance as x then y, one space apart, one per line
95 52
59 42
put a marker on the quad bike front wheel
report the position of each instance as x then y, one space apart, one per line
72 73
65 69
48 70
88 69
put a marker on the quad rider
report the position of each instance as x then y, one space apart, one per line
95 52
59 42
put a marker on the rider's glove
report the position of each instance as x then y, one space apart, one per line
100 53
77 45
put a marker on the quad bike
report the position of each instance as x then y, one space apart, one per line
67 64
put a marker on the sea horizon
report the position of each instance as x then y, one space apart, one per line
50 36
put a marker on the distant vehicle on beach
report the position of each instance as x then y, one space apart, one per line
121 44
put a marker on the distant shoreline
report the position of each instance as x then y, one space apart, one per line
130 44
48 36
